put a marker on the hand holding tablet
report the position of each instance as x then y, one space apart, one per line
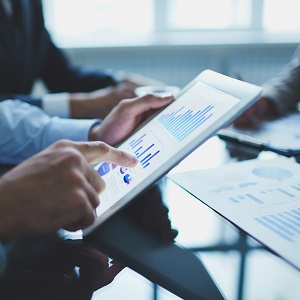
210 102
126 117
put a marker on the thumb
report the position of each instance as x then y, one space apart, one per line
145 103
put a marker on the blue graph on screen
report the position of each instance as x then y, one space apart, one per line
184 121
144 149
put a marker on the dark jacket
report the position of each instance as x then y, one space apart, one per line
27 53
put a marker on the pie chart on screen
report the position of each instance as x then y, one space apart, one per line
127 178
123 170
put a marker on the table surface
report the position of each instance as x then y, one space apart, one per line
240 266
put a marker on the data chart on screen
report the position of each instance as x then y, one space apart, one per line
163 137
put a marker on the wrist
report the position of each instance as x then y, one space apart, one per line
79 102
94 133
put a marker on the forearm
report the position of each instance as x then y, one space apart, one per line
96 104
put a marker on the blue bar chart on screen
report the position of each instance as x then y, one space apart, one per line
179 123
184 121
144 149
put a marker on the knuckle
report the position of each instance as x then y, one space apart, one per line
84 212
123 104
96 203
103 147
98 184
62 144
101 186
89 219
71 156
123 155
79 201
150 97
78 181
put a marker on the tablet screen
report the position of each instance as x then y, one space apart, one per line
160 142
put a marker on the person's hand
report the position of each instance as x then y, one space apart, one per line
99 103
256 114
55 189
126 117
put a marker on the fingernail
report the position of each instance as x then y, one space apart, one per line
134 159
166 95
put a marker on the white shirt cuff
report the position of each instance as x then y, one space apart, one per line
70 129
57 105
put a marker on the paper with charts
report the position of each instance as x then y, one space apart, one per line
262 197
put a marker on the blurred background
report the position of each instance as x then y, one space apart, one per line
174 40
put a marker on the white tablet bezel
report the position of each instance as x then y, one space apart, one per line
247 93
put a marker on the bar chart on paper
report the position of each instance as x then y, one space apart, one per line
285 224
248 193
184 121
145 149
264 196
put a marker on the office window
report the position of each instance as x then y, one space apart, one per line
80 17
212 14
119 20
281 15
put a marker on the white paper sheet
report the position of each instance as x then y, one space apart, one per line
261 197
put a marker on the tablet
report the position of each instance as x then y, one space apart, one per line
207 104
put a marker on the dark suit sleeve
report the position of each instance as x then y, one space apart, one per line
25 98
284 89
60 75
39 59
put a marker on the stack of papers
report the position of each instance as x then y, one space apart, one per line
262 197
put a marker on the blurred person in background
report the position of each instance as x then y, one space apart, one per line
280 96
28 54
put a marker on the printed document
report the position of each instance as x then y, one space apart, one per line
262 197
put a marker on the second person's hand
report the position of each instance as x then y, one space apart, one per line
126 117
99 103
256 114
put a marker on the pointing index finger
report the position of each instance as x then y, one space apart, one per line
99 151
